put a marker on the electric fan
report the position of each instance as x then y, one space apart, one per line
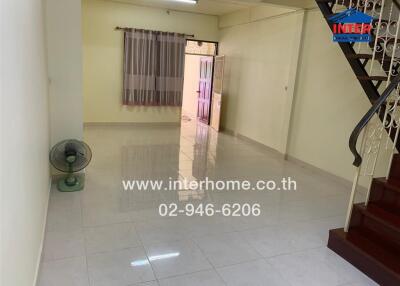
70 156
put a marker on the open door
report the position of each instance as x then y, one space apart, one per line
205 83
217 92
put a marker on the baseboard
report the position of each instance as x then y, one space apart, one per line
347 183
42 240
254 142
133 124
319 171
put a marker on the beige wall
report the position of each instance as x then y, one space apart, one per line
257 83
64 45
103 53
24 140
292 3
191 86
253 14
329 102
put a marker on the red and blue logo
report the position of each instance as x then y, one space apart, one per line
351 26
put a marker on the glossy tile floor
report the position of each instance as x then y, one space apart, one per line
105 236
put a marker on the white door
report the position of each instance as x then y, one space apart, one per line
217 92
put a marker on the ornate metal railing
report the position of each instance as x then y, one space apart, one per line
380 126
376 109
373 137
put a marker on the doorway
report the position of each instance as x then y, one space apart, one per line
198 80
205 89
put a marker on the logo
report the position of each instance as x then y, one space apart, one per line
351 26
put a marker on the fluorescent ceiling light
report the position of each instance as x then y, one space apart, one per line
187 1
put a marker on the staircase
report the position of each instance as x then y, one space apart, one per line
372 243
370 239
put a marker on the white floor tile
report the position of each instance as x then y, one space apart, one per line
64 200
111 237
201 226
151 283
316 267
65 272
63 244
161 230
202 278
226 249
104 214
291 237
364 283
176 258
255 273
60 219
118 226
119 268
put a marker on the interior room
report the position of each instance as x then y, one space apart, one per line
200 143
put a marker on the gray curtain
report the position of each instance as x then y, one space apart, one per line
153 68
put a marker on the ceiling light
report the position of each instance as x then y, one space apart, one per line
187 1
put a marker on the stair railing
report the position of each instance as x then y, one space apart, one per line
373 137
385 53
386 29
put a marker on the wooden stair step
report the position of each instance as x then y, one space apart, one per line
373 77
343 3
392 185
394 174
390 104
372 258
374 21
368 56
379 225
340 2
386 39
383 240
386 194
394 22
381 217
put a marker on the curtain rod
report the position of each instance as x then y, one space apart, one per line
126 28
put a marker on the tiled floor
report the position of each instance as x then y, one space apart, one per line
105 236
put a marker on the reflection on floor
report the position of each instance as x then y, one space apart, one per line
105 236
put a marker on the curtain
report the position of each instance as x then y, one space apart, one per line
153 68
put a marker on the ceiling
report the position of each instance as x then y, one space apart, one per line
210 7
292 3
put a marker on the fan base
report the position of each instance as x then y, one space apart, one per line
62 185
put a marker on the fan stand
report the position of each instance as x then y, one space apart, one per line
71 182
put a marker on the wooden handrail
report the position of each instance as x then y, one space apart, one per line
396 2
366 119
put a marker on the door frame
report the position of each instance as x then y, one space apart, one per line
219 93
212 70
204 41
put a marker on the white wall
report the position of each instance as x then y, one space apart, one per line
260 57
24 140
64 42
191 86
